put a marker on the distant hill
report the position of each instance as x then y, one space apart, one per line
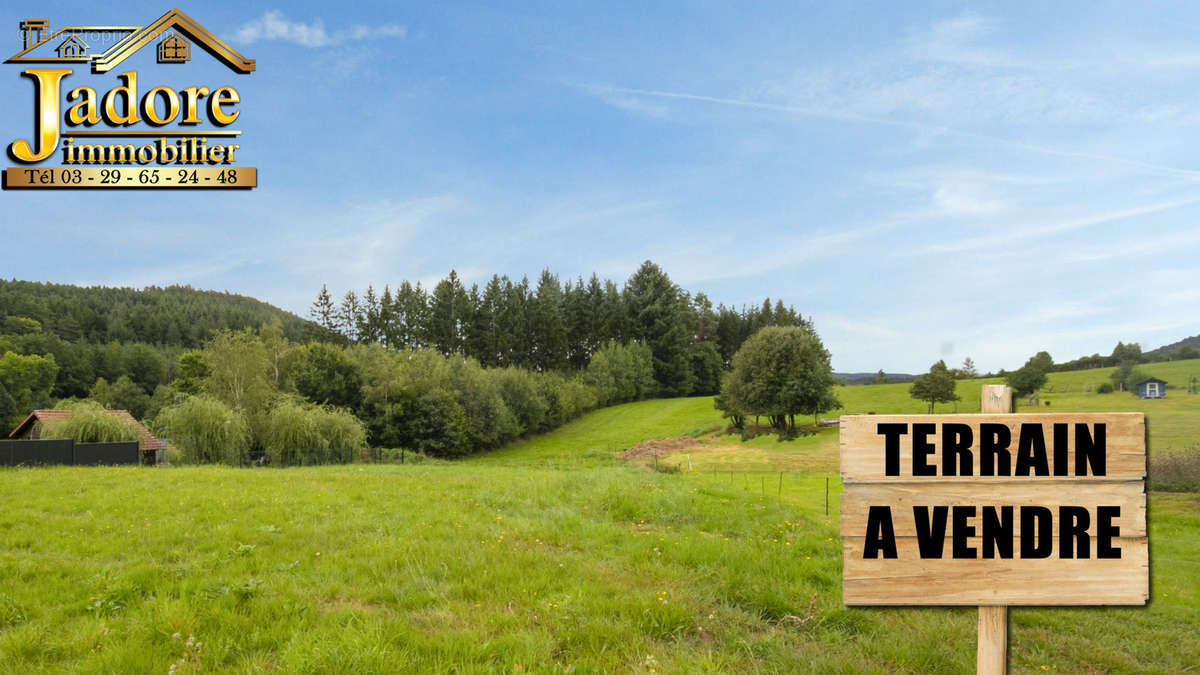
869 378
1165 350
175 315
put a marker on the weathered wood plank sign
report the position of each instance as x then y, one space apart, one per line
994 509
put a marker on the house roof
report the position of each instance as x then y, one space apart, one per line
148 442
76 40
1151 379
134 38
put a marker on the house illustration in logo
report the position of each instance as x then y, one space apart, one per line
105 47
72 46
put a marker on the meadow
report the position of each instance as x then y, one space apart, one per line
549 555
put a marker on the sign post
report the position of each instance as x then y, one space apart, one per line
991 653
992 510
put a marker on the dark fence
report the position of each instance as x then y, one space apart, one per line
108 454
51 452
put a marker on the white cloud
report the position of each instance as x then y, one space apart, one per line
1012 235
964 200
273 25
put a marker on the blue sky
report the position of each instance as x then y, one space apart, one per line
946 180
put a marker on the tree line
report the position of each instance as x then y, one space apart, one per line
171 316
256 397
443 373
552 325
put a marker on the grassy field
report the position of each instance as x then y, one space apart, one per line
547 556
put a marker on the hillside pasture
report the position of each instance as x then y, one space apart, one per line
549 555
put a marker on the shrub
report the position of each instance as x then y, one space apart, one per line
1177 471
292 437
566 398
437 425
205 430
520 393
299 433
1104 388
490 423
618 373
90 422
344 433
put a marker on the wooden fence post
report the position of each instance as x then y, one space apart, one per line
991 656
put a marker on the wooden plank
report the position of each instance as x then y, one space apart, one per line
857 498
910 580
863 448
991 658
995 398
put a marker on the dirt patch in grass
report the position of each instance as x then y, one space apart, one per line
659 448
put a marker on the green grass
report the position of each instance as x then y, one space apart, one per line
547 556
595 438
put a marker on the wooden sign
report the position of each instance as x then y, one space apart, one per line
994 509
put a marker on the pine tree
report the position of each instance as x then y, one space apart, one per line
656 317
547 326
580 324
349 315
447 307
368 320
387 318
323 312
513 325
487 319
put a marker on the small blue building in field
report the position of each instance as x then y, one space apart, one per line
1152 387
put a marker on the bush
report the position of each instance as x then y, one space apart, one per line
490 423
396 455
1176 472
301 434
90 422
618 373
344 433
292 437
205 430
451 406
566 399
1104 388
520 393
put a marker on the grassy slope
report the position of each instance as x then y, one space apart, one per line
547 555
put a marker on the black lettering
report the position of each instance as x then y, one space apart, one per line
956 442
1031 451
931 533
963 531
1089 449
997 532
1037 532
880 534
1073 541
1060 450
994 459
1106 532
891 447
922 449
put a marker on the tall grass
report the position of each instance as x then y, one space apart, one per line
1177 471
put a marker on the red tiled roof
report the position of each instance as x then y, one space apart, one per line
147 444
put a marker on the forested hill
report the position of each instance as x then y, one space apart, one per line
172 316
1188 344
